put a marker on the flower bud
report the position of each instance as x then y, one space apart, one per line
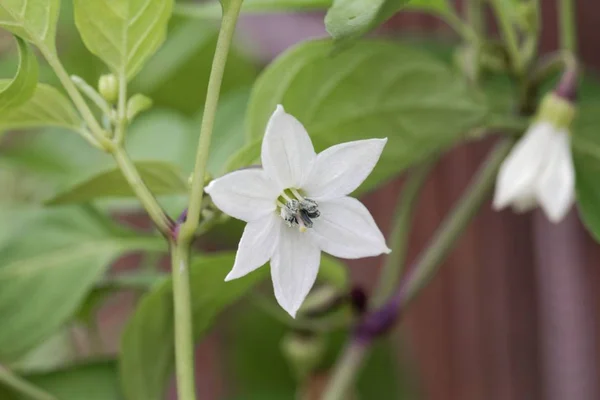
304 352
108 86
136 104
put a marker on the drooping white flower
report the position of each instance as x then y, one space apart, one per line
539 170
296 206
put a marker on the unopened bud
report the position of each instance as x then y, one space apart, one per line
304 352
108 86
136 104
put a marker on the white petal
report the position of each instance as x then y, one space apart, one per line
340 169
246 194
294 268
287 151
256 246
346 229
522 167
556 185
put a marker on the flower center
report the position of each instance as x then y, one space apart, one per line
296 210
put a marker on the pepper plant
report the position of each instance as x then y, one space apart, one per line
135 110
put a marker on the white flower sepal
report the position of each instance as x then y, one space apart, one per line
538 171
296 206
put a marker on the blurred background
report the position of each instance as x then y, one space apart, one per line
513 313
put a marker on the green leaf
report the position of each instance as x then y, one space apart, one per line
212 9
60 161
373 89
147 345
123 33
348 19
33 20
586 157
91 381
47 267
47 107
160 177
56 351
22 87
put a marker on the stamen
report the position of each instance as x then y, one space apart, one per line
285 196
297 212
295 193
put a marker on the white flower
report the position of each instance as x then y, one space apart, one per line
539 170
297 206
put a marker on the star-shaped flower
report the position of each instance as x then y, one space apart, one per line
297 205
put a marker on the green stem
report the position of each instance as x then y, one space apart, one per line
184 339
230 15
131 174
345 371
91 94
464 30
22 386
84 110
503 16
568 34
551 65
475 16
121 111
402 222
475 19
452 227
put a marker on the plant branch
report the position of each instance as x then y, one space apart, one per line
122 122
149 202
568 33
96 130
551 64
474 13
509 33
184 232
464 30
184 339
230 15
402 222
381 320
345 372
20 385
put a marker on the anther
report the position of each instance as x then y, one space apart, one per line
299 213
